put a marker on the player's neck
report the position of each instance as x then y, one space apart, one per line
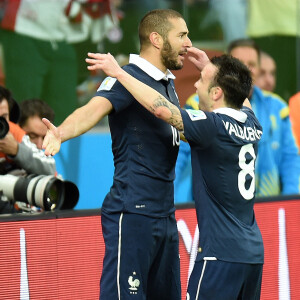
154 59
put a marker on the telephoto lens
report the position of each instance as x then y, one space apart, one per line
45 191
4 127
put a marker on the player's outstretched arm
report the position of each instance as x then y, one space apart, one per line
144 94
79 122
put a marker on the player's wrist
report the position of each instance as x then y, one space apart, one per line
122 75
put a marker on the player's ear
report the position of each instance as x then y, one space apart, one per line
217 92
156 40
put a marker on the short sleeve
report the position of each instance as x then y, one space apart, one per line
199 126
113 91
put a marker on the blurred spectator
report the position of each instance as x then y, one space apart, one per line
267 76
278 163
294 105
18 156
232 16
272 17
32 112
46 66
90 22
274 24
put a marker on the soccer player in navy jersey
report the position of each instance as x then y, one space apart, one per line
223 135
138 221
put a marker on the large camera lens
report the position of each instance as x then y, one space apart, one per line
46 192
4 127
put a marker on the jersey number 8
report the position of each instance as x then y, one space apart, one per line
246 169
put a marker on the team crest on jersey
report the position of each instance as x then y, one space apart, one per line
196 115
134 283
107 84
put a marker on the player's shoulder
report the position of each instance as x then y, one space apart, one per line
248 111
133 69
251 117
139 73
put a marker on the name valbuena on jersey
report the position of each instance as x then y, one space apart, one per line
224 150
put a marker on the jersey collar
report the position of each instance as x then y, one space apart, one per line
150 69
233 113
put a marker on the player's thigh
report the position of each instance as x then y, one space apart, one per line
108 282
164 275
214 279
252 285
129 242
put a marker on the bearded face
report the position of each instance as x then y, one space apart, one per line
169 56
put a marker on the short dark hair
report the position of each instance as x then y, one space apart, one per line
234 78
156 20
244 43
35 107
14 110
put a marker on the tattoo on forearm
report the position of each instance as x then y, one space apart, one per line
175 118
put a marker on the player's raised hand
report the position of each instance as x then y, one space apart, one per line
52 140
199 58
104 62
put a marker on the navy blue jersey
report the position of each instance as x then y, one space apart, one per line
145 149
223 150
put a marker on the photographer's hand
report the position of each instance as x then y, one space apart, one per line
9 145
52 140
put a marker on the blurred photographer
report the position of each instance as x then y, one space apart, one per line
18 155
32 112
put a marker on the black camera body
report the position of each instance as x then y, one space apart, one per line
4 127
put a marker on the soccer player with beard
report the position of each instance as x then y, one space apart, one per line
139 227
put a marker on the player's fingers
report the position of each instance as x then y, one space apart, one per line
92 55
94 67
53 152
194 61
96 55
92 61
195 51
47 151
50 150
45 142
49 125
